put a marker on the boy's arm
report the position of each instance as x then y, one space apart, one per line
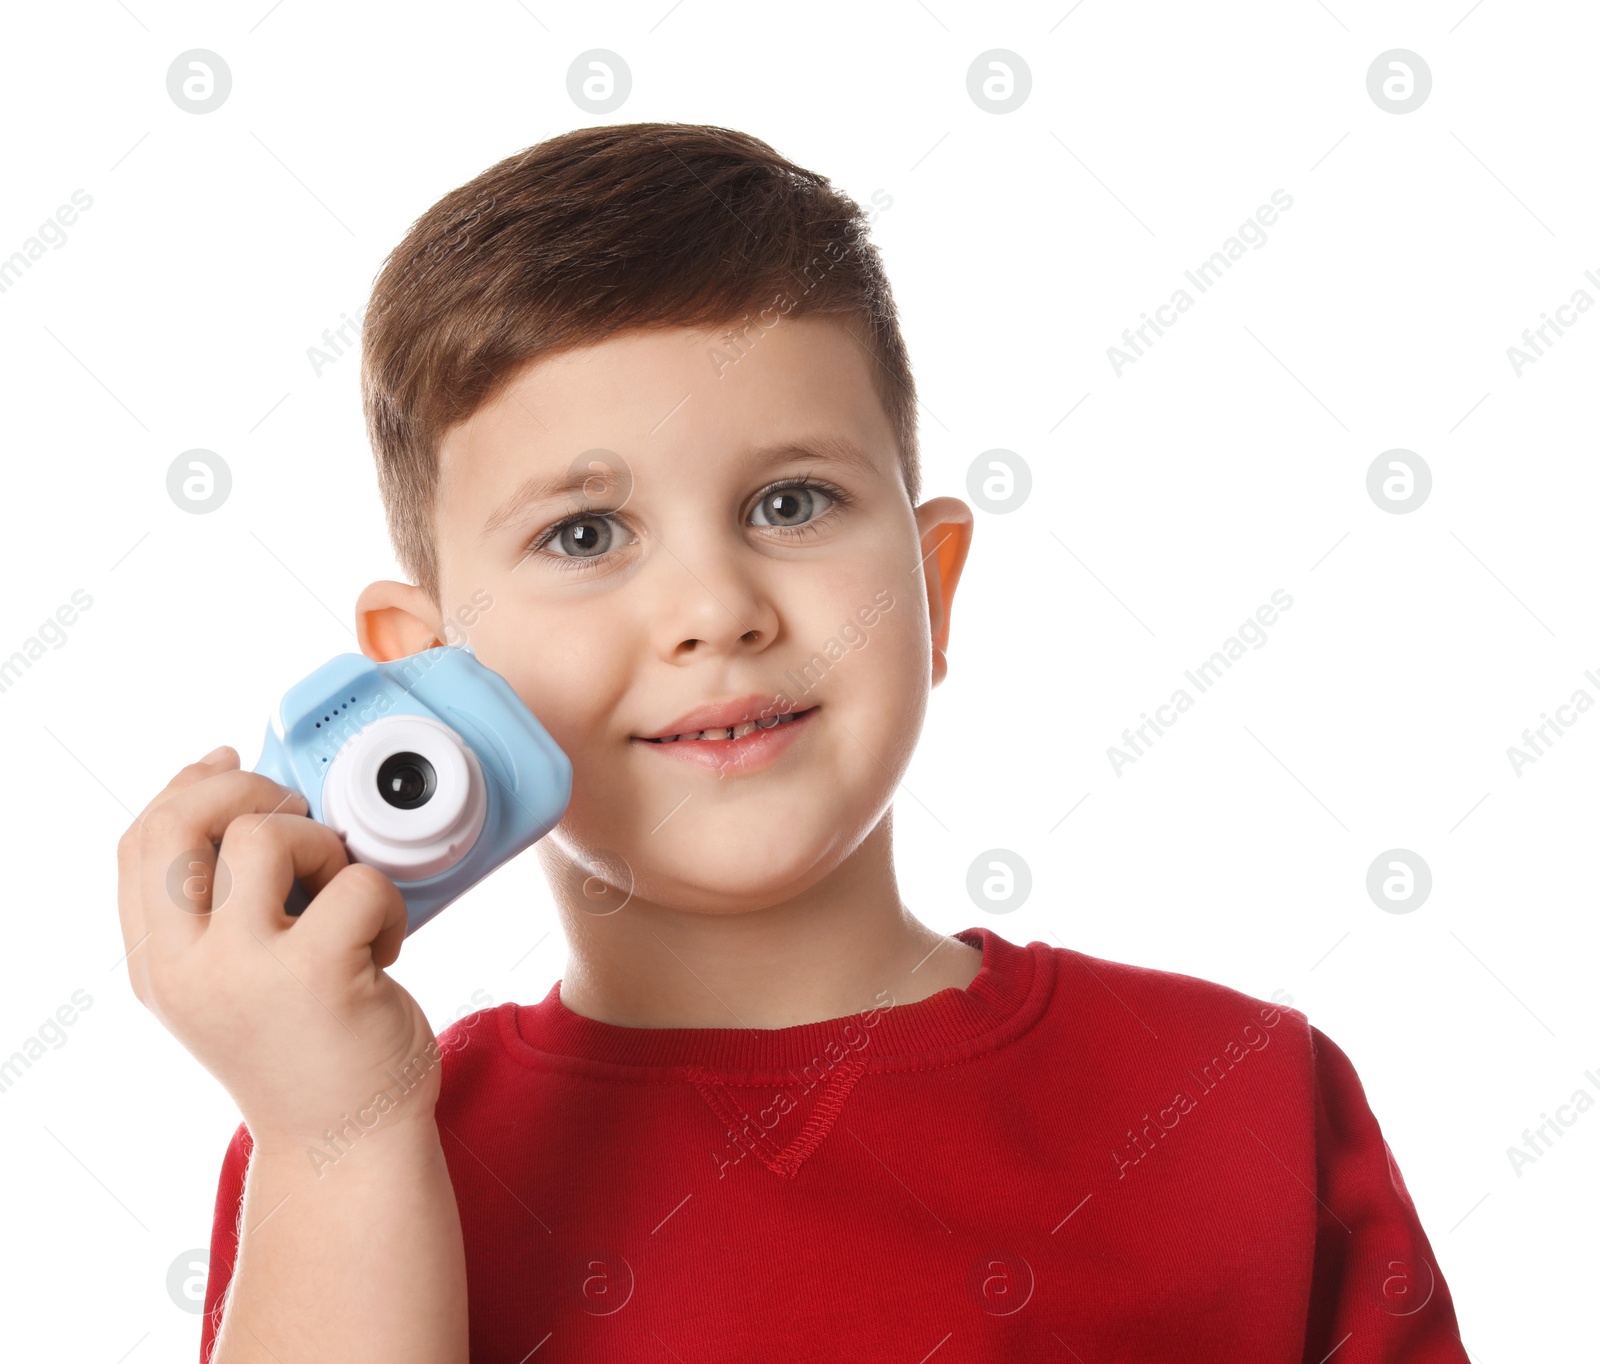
362 1260
358 1256
1377 1292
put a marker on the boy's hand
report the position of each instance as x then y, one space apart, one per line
295 1016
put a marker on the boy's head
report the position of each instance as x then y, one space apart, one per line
646 438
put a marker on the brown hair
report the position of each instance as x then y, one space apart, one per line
584 235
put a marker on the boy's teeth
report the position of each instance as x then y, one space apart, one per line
738 732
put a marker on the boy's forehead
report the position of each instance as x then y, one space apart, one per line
667 396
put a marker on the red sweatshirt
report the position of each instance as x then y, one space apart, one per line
1072 1158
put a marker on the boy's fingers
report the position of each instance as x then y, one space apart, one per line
177 849
130 911
261 857
359 908
223 759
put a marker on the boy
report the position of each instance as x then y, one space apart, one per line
645 430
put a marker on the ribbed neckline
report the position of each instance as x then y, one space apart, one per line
1007 996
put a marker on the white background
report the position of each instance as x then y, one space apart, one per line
1229 461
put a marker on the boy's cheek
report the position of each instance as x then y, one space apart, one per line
572 711
567 730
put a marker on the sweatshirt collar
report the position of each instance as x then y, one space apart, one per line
1008 995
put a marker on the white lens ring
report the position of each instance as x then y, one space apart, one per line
406 845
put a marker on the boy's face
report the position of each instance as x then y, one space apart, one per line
693 570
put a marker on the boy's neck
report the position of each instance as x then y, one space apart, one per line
841 947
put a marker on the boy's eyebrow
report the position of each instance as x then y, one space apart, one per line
542 487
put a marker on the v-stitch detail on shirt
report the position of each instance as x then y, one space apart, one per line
784 1162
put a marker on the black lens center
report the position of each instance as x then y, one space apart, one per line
406 780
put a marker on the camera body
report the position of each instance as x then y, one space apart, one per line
429 767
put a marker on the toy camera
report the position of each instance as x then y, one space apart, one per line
429 767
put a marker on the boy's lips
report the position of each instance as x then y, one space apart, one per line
748 753
743 710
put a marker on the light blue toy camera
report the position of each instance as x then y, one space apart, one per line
430 768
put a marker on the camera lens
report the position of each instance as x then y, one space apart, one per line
406 780
407 794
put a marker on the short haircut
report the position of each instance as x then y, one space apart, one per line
599 230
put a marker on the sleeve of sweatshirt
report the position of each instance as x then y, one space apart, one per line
1378 1295
224 1237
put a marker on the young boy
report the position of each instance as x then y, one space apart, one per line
645 431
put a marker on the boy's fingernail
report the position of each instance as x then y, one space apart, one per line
215 754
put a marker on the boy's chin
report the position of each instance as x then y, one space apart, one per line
717 878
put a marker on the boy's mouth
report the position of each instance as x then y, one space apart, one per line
740 735
730 733
741 714
729 750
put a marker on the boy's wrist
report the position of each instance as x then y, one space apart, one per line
380 1140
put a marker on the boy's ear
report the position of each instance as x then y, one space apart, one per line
945 527
396 619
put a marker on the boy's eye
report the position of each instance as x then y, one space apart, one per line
792 505
582 539
787 507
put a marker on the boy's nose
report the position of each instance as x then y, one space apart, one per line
709 603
